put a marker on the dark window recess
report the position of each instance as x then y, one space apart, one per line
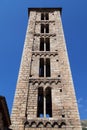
63 116
48 102
42 28
60 90
41 44
41 67
40 111
42 16
47 40
47 16
47 67
44 44
47 28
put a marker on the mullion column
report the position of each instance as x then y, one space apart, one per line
44 67
44 45
44 105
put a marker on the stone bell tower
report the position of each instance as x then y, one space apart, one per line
45 97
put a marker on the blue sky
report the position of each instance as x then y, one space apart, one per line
13 24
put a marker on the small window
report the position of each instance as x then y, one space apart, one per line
47 28
60 90
47 67
44 67
40 111
47 44
42 16
48 102
47 16
44 28
44 44
41 44
44 108
63 116
41 68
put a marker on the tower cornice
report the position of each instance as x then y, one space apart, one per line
46 9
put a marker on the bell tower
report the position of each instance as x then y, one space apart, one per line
45 97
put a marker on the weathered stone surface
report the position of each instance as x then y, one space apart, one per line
64 106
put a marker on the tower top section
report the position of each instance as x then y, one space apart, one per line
45 9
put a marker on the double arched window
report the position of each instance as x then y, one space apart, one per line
44 44
44 67
44 16
44 108
44 28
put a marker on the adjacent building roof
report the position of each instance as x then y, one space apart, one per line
4 111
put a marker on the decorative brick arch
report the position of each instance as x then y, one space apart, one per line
40 125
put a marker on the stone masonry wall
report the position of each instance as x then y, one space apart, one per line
64 105
20 99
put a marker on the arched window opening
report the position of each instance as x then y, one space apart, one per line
40 110
47 67
47 28
41 67
42 28
44 44
47 16
44 67
42 16
41 44
44 108
48 102
47 40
